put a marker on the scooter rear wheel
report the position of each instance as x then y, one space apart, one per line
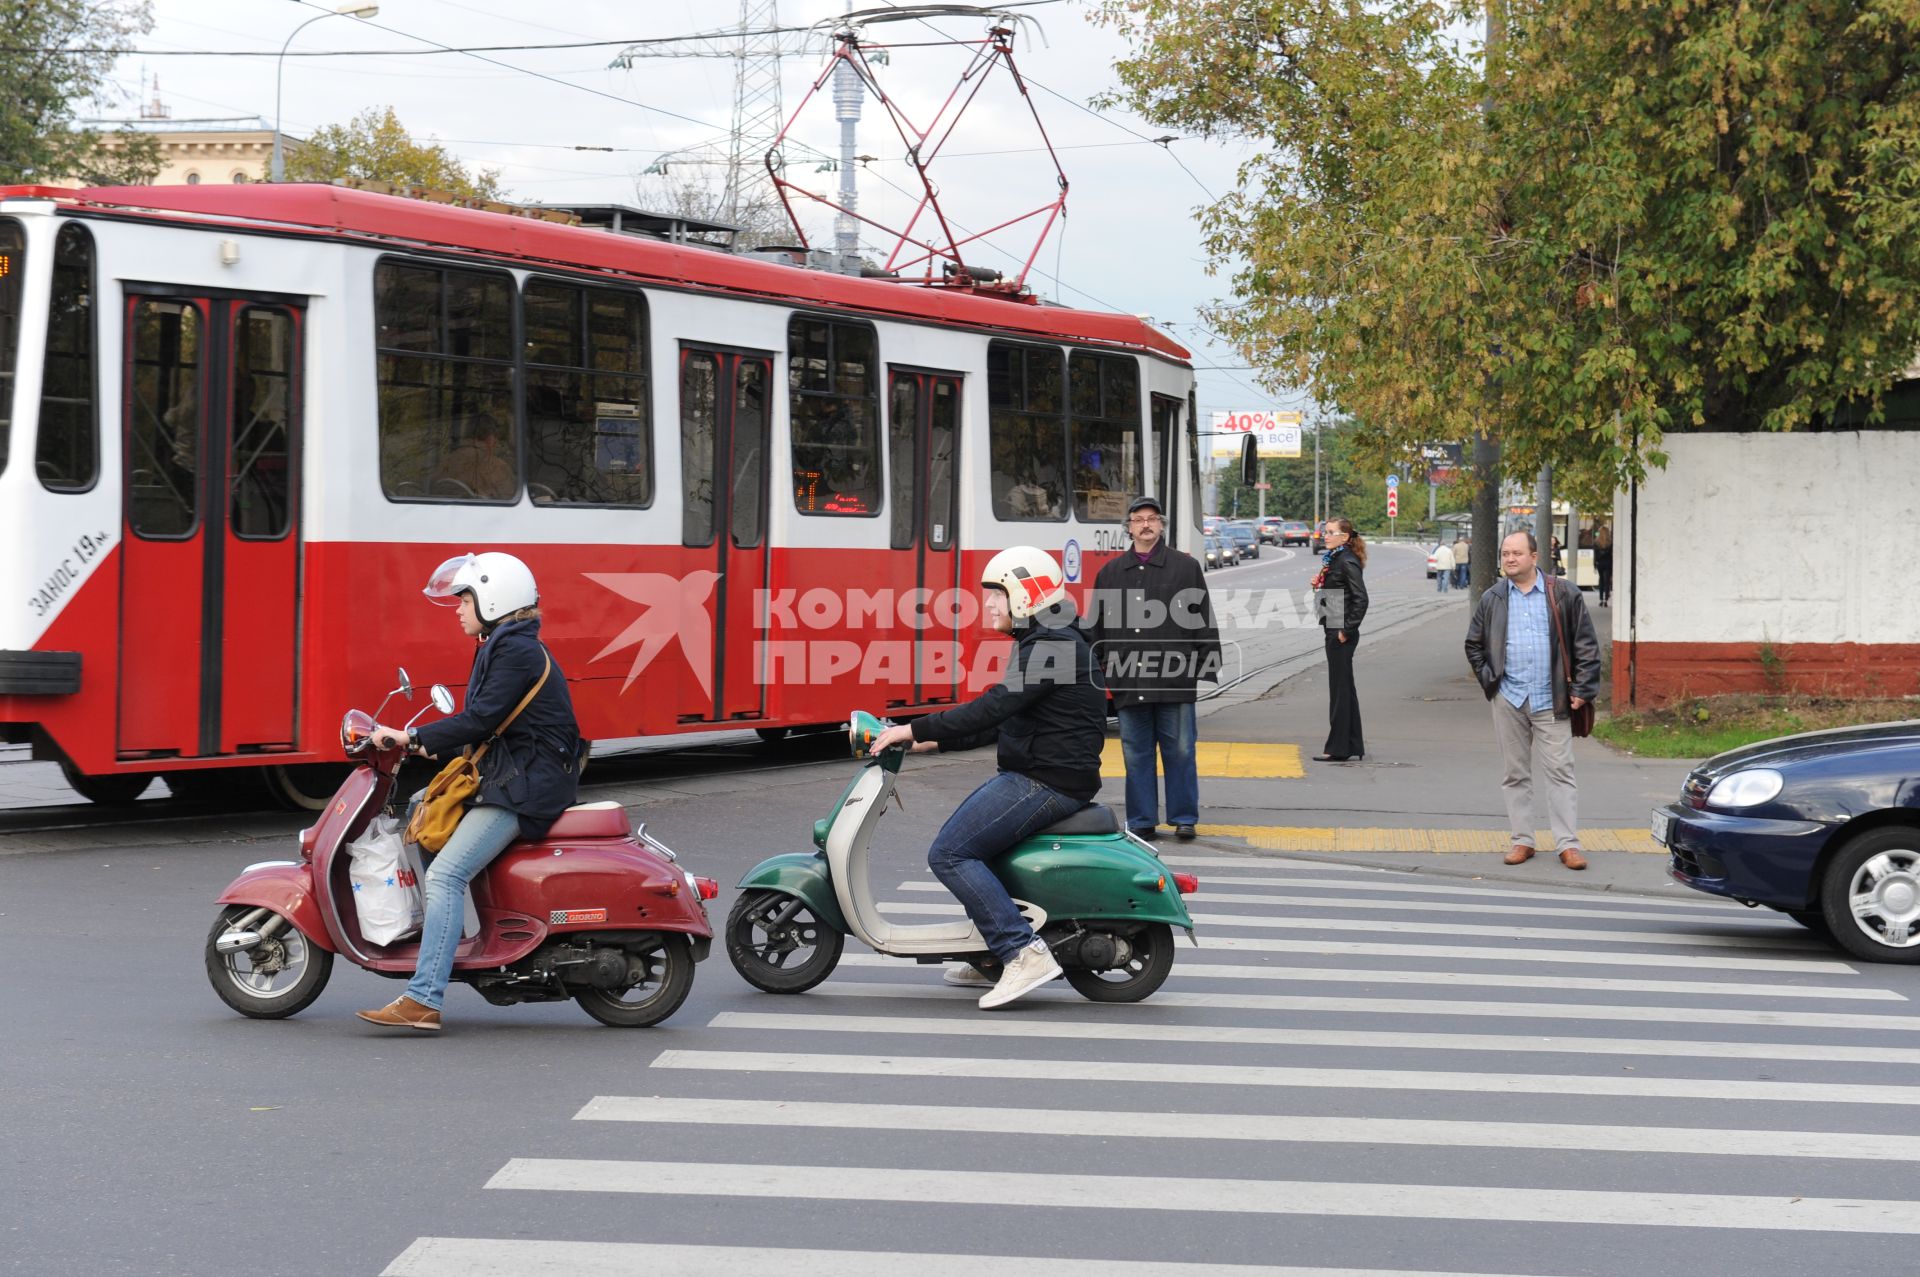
1144 972
659 995
780 956
279 977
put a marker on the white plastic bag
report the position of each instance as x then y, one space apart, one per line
386 882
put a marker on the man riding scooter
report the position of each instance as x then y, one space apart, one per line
1050 720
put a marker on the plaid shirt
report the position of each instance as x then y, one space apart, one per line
1529 665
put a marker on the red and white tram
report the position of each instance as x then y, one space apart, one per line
240 425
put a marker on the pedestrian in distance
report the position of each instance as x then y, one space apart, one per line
1462 561
1154 639
1514 647
1443 566
530 774
1603 562
1049 718
1340 594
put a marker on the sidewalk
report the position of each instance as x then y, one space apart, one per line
1427 796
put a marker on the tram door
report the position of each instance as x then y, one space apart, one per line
210 558
924 442
724 396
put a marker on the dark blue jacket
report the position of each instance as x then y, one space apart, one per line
534 769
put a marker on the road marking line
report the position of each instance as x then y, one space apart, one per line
1191 1074
1588 957
1794 938
1220 760
1337 840
1423 1006
519 1257
1235 1035
1488 979
864 1184
1258 1127
1407 883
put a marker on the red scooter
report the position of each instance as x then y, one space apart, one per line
596 911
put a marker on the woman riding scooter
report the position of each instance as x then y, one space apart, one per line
1050 721
527 778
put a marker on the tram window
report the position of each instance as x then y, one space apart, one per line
833 384
699 424
748 499
943 511
589 429
903 421
446 370
13 263
1106 435
260 485
68 452
163 427
1026 432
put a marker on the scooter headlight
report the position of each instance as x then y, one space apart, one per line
356 729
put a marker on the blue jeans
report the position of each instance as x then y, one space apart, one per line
1170 726
1442 578
989 821
1461 575
483 833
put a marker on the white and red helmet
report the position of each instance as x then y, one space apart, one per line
498 582
1031 578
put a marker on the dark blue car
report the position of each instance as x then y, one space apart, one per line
1824 827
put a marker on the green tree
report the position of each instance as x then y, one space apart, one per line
1643 216
53 61
374 146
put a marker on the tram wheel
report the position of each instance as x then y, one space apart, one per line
111 790
302 786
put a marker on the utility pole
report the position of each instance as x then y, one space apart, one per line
1486 448
1318 420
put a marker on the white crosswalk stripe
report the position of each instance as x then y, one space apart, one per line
1485 1095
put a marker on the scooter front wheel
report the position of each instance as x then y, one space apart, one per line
778 944
276 978
1142 973
657 995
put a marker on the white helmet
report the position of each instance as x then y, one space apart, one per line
1032 580
499 583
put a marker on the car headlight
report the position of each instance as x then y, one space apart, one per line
1746 789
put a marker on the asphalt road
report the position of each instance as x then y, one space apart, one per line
1359 1071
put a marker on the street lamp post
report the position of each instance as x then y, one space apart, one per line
363 11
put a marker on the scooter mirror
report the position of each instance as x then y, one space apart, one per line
406 684
442 698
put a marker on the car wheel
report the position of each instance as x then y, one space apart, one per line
1870 895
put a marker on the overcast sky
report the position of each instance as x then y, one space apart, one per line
1130 242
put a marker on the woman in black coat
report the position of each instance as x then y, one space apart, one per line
1342 583
528 776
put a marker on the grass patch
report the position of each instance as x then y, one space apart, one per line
1709 725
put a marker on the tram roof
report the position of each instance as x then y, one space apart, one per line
328 210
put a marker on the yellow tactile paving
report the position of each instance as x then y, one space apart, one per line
1223 760
1473 841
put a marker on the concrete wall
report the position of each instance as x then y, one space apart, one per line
1771 563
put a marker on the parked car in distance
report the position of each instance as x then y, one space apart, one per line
1270 530
1319 536
1212 522
1244 537
1823 826
1295 532
1433 569
1220 552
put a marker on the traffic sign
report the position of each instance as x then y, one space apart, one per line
1393 504
1393 481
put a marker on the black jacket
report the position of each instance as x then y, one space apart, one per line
1345 582
1047 713
1152 627
1487 643
534 768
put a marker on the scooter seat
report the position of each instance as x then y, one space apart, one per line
592 820
1094 818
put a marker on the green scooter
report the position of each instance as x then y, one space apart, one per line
1101 898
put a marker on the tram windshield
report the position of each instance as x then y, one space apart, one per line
13 259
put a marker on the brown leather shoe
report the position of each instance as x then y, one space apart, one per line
403 1013
1572 858
1520 854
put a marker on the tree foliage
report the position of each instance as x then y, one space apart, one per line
48 73
374 146
1642 216
687 191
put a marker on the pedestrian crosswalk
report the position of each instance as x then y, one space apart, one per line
1492 1082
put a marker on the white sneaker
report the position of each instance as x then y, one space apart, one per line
964 975
1033 968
